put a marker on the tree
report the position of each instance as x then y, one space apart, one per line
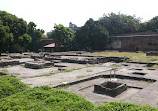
152 24
62 37
17 26
24 40
37 35
120 23
12 27
5 37
92 36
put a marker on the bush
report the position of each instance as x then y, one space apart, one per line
45 98
10 85
119 106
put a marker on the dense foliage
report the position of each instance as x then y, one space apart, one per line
91 36
16 35
11 28
37 35
63 37
5 37
10 85
45 99
120 23
16 96
119 106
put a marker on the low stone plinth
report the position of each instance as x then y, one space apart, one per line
19 56
4 63
110 88
152 53
117 59
38 64
37 56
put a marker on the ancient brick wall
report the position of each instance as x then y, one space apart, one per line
134 42
139 43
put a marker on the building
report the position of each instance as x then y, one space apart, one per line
48 45
146 41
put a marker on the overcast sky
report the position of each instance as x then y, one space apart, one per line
46 13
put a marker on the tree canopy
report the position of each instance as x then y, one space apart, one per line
119 23
37 35
13 30
91 36
62 37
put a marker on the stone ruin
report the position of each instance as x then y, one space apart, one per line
4 63
110 88
39 64
152 53
19 56
83 59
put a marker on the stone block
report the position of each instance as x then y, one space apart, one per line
110 88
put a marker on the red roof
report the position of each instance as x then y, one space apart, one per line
49 45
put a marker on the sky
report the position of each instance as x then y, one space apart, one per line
46 13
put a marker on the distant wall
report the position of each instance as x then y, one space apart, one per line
134 43
114 43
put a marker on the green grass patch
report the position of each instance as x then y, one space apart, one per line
45 98
155 66
89 71
70 70
137 57
5 70
82 76
16 96
114 65
10 85
63 87
15 73
50 74
119 106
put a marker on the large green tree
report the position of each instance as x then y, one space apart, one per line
152 24
24 40
120 23
5 37
12 29
91 36
62 37
16 25
37 35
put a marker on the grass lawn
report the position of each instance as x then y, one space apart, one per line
136 57
16 96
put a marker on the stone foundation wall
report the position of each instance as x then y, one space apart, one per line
134 43
4 63
110 88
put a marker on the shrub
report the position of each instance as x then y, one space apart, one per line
10 85
45 98
119 106
16 96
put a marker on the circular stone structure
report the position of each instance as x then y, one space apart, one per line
38 64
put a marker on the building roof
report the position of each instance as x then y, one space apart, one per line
50 45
